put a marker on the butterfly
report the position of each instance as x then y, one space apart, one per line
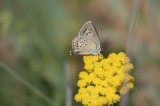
87 41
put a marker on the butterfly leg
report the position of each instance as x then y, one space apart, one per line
98 55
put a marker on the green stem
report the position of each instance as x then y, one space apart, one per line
26 83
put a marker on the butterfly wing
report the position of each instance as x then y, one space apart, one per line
83 46
87 42
89 31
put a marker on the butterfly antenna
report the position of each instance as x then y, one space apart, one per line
71 52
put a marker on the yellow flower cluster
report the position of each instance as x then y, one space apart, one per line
104 79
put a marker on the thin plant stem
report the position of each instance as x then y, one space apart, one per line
26 83
130 42
68 101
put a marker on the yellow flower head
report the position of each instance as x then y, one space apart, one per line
104 79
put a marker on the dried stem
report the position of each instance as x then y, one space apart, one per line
130 42
68 101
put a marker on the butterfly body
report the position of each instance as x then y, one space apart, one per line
87 42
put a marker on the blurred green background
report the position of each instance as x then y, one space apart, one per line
36 68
